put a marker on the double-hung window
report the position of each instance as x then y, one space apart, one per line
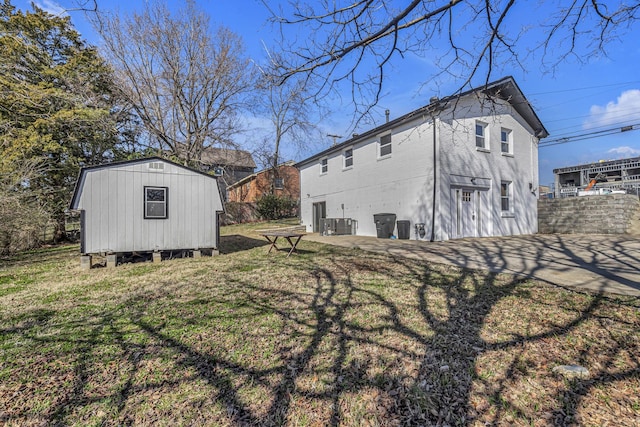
506 145
279 183
156 202
506 197
385 145
348 157
324 165
482 140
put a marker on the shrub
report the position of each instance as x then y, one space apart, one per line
271 206
22 222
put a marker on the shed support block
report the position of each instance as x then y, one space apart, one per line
215 252
85 262
157 257
112 260
197 254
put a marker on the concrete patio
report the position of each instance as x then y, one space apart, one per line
593 263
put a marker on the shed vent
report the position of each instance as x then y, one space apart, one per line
156 166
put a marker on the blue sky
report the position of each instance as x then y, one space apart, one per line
581 96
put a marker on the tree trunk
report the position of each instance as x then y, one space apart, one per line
60 231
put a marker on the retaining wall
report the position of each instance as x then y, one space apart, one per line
606 214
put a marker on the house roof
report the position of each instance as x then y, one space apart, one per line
254 175
227 157
84 170
505 89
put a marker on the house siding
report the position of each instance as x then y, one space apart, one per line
113 200
402 183
399 183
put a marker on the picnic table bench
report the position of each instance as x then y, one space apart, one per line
293 236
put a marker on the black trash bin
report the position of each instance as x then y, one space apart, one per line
385 223
404 229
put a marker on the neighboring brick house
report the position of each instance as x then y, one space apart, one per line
235 165
254 186
229 165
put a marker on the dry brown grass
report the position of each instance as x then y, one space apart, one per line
326 337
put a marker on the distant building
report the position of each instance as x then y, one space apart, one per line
623 174
285 180
545 192
230 166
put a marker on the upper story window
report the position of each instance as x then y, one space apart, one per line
482 140
155 202
279 183
385 145
506 197
506 145
324 165
348 157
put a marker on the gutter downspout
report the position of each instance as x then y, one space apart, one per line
434 109
435 180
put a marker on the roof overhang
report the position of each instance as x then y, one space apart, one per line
505 89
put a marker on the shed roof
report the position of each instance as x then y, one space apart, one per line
505 89
83 171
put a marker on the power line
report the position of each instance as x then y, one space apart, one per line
584 88
589 135
634 112
570 130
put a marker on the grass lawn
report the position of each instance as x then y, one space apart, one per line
329 336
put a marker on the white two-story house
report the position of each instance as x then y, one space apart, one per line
462 166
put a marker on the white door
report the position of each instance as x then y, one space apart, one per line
466 216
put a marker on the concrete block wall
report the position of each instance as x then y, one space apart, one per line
606 214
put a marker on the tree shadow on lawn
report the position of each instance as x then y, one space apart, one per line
339 339
237 243
353 368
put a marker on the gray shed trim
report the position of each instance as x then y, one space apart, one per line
113 214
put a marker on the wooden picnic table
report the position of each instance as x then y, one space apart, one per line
293 237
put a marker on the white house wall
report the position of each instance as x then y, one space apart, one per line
399 184
402 183
113 201
459 157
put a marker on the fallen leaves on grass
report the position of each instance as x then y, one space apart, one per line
331 336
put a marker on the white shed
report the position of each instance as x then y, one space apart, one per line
146 205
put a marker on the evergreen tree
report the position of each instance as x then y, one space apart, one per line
57 105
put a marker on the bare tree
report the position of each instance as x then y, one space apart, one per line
358 41
291 115
185 85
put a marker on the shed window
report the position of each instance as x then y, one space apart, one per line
155 202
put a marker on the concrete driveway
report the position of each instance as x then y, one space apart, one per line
595 263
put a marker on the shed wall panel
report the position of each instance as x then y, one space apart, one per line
113 200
